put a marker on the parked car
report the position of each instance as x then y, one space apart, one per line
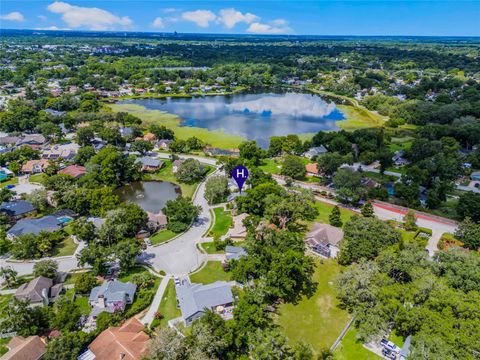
176 279
390 346
147 241
389 354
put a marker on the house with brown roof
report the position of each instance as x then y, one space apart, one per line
156 221
76 171
312 170
29 348
324 240
35 166
39 291
125 342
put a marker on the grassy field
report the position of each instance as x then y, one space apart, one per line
317 320
168 306
11 181
325 209
211 272
215 138
82 303
271 166
65 248
38 178
162 236
358 118
223 221
166 174
210 248
349 348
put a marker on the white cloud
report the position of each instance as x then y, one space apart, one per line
200 17
278 26
13 16
230 17
42 17
158 23
91 18
51 28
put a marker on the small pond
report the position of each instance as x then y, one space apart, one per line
252 116
149 195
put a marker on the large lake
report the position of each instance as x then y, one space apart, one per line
149 195
252 116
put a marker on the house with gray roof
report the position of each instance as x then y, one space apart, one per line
34 226
17 208
315 151
39 291
234 252
324 240
149 163
111 296
195 299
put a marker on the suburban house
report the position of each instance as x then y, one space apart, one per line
126 131
55 113
64 151
475 176
111 296
398 158
149 137
39 291
163 144
76 171
234 252
312 170
324 240
315 151
194 299
17 209
34 141
47 223
176 164
156 221
149 164
125 342
35 166
25 348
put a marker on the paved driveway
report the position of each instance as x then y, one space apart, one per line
181 256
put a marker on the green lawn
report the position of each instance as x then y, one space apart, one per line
168 306
3 347
210 248
216 138
166 174
11 181
162 236
211 272
317 320
135 270
325 209
271 166
4 300
38 178
65 248
71 277
223 221
349 348
82 303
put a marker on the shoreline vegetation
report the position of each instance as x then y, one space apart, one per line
356 117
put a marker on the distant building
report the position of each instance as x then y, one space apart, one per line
64 151
176 164
315 151
55 113
324 240
156 221
163 144
312 170
34 226
125 342
194 299
39 291
17 208
35 166
149 163
234 252
25 348
76 171
475 176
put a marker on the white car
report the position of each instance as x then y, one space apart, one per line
390 346
148 242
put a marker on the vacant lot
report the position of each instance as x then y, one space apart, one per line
316 320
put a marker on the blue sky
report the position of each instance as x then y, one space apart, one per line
437 18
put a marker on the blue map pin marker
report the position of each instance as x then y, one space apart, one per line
240 175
